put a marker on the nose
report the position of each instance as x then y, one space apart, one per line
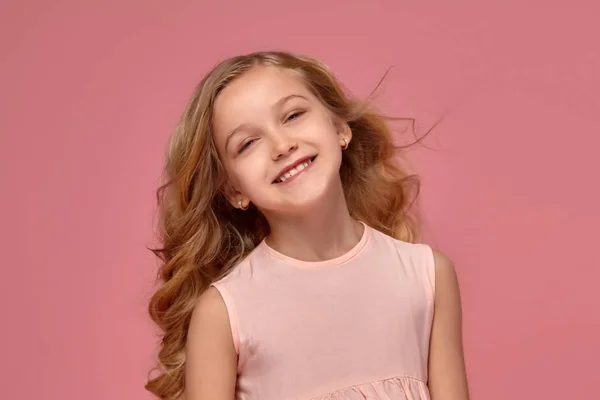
283 146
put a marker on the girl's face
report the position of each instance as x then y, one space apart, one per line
277 142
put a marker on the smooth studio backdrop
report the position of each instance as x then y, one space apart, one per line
90 91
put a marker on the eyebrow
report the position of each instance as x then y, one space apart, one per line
278 104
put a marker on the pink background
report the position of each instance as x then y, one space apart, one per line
90 90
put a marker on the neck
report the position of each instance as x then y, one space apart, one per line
325 234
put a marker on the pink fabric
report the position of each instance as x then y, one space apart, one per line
355 327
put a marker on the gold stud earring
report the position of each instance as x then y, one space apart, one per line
241 207
345 145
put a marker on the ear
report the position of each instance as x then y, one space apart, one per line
343 131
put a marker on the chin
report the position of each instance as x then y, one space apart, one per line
312 198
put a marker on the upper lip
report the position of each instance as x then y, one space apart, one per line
292 165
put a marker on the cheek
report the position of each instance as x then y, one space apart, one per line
248 174
328 140
326 132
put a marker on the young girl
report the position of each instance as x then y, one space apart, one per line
290 269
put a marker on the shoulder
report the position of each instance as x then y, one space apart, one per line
447 298
413 259
419 252
446 280
210 322
442 260
436 265
242 271
209 311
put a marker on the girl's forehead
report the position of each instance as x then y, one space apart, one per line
262 83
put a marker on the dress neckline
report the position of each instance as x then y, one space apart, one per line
333 262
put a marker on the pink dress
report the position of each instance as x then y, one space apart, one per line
354 327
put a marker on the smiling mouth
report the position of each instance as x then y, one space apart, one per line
294 171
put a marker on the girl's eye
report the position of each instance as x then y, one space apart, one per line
246 145
294 116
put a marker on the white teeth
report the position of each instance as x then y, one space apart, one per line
293 171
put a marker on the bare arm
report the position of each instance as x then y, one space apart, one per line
211 364
447 376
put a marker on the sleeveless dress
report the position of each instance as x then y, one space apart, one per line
353 327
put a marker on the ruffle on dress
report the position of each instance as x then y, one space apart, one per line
388 389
